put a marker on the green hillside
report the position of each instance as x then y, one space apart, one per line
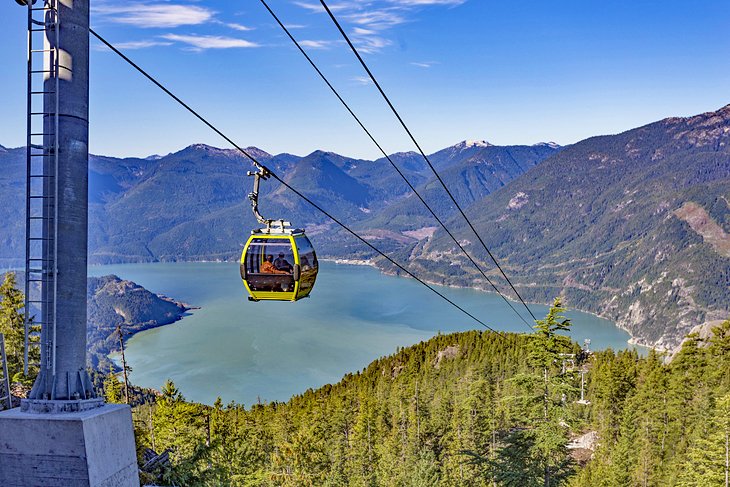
467 409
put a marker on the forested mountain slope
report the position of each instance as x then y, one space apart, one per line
467 409
470 170
634 226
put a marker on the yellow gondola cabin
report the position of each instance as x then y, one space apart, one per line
278 265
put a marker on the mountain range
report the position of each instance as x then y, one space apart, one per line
634 226
193 204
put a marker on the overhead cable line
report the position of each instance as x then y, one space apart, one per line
380 89
284 183
359 122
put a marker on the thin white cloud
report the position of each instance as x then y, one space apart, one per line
376 19
423 64
312 44
371 44
313 7
238 27
363 32
362 80
141 44
370 19
200 42
317 7
409 3
153 16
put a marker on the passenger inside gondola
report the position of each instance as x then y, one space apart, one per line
282 264
269 266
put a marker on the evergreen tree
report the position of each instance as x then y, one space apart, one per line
113 388
624 457
425 470
302 460
651 427
364 441
612 379
542 400
706 461
180 426
12 326
719 351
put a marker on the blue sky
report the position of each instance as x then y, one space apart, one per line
509 72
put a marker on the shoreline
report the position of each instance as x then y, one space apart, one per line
632 341
114 355
157 324
162 310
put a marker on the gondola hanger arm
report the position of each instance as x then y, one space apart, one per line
263 173
258 175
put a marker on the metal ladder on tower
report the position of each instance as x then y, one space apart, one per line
41 225
6 396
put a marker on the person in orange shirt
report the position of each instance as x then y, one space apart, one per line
268 266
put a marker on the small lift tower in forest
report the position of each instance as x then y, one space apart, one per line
62 435
585 354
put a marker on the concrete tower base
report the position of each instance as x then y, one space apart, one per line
93 448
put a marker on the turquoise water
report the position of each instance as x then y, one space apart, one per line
247 351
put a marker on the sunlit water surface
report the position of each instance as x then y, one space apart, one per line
245 351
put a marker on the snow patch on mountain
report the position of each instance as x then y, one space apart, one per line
518 201
468 144
230 153
552 145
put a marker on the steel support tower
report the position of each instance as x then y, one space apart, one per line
57 199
